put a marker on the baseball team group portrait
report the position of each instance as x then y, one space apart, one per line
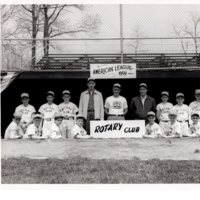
100 94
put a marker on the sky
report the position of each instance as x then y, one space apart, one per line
154 20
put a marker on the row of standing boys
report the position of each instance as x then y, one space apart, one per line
61 120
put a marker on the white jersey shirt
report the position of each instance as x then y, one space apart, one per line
48 110
183 112
195 129
68 109
173 129
13 130
164 109
77 130
26 112
116 105
33 130
153 130
195 107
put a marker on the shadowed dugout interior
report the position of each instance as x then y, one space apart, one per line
38 83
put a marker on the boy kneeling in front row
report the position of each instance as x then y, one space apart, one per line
14 130
173 129
153 130
34 130
78 132
194 130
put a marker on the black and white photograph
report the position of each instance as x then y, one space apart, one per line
100 93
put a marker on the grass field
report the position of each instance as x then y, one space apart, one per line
78 170
101 161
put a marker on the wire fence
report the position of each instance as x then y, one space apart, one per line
17 53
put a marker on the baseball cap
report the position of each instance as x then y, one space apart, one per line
24 95
117 85
17 115
37 116
197 91
173 112
179 94
143 85
58 115
164 93
195 113
50 93
90 79
66 92
151 113
80 116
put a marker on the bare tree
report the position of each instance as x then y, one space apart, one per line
8 13
191 29
54 26
136 44
34 11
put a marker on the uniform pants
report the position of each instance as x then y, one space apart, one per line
68 125
184 128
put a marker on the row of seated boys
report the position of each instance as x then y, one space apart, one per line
36 131
172 128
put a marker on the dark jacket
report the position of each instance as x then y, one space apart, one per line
138 111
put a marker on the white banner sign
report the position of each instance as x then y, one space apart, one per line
117 129
112 71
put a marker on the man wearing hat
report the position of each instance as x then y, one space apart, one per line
163 109
26 111
48 110
91 104
116 106
142 104
195 105
14 130
69 111
183 113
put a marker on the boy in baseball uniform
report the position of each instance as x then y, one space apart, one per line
116 106
26 110
153 130
69 111
163 110
78 132
194 130
34 130
48 111
173 129
57 130
183 113
14 130
195 105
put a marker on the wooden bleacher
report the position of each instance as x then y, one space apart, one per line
143 61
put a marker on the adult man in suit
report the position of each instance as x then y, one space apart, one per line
142 104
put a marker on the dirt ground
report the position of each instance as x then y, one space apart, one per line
173 149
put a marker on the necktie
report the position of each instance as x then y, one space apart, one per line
91 102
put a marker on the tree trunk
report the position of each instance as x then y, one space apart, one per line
46 32
34 34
